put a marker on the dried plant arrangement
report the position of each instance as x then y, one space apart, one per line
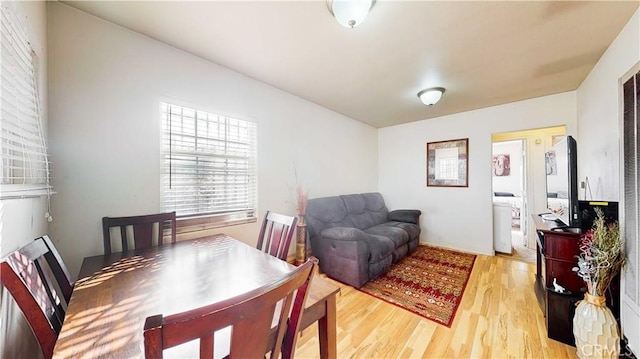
601 255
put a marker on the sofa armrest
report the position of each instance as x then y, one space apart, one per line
344 234
405 215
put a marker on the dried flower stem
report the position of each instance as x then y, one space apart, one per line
302 197
602 255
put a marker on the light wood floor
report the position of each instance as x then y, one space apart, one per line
498 317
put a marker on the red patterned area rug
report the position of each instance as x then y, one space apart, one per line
429 282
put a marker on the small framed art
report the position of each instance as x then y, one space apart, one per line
447 163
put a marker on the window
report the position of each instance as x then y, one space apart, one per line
208 166
447 163
24 169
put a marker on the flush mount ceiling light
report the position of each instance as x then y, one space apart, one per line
350 13
431 96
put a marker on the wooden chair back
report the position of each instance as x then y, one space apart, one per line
276 233
58 268
143 230
251 316
23 275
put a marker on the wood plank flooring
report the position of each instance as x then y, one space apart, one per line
498 317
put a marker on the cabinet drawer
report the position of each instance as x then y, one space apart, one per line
561 246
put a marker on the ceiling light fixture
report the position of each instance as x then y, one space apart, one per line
350 13
431 95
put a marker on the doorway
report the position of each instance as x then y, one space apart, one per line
509 196
519 182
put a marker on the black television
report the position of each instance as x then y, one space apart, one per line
561 163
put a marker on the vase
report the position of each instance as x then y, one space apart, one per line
595 329
301 243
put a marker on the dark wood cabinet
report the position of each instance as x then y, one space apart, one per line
556 257
559 316
560 251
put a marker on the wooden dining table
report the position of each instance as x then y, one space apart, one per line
115 293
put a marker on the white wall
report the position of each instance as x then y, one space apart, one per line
599 105
105 86
22 220
459 218
598 102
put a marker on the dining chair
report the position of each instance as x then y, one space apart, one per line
23 275
58 268
250 315
276 233
143 230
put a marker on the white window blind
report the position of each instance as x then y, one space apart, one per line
208 165
24 167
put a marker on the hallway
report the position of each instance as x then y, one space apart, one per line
519 252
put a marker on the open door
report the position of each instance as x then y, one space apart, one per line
525 185
509 193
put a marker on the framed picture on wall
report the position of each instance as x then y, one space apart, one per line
447 163
501 165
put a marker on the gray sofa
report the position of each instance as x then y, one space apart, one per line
356 239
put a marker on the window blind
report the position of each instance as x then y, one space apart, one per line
631 200
208 165
24 167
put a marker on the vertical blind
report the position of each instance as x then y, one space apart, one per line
631 165
24 167
208 164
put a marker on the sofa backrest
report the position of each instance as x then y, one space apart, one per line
326 212
365 210
355 210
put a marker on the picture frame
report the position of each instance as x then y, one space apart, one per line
447 163
550 163
501 165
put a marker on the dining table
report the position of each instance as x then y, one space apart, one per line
115 293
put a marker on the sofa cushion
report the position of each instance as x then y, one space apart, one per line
379 247
397 234
324 213
374 204
413 230
344 234
365 210
355 205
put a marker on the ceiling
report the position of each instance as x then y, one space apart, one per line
484 53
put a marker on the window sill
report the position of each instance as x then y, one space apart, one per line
205 223
17 191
